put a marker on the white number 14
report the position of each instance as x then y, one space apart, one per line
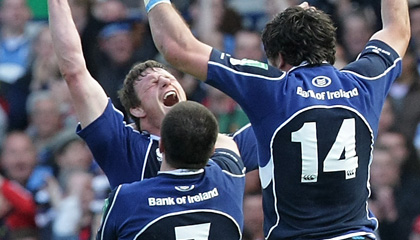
335 160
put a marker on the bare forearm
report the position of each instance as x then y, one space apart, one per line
226 142
66 39
395 14
175 41
89 99
396 25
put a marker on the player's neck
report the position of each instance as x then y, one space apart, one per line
165 166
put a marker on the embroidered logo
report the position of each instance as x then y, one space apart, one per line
321 81
184 188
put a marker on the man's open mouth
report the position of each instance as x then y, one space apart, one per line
170 99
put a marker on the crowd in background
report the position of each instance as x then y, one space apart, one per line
50 186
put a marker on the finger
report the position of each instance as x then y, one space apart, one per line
304 5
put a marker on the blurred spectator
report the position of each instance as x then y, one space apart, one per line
45 122
402 151
60 92
44 68
109 11
228 113
271 7
88 27
355 29
405 93
394 199
71 155
214 22
407 83
15 39
19 161
71 204
42 71
118 55
387 118
248 45
19 164
17 212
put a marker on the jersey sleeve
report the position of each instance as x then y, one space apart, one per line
118 149
228 161
247 144
108 227
375 60
239 77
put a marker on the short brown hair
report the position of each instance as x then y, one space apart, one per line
127 93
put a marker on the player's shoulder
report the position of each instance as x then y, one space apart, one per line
228 160
376 60
243 68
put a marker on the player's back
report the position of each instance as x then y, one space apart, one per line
180 204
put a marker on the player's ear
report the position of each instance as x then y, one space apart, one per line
277 62
161 146
138 112
280 61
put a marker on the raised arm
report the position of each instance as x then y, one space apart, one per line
224 141
175 41
89 98
396 25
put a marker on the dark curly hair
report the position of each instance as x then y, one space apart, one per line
300 35
127 93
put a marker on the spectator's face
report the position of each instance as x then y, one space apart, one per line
14 14
396 143
356 34
19 157
119 47
80 185
110 11
46 117
248 45
44 46
76 156
385 171
158 91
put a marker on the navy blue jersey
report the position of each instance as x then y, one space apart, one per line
247 144
127 155
315 128
124 154
180 204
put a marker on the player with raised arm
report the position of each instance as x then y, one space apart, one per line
315 125
124 153
192 197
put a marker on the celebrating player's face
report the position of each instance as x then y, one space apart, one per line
158 91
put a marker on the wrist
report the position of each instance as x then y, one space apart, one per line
149 4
